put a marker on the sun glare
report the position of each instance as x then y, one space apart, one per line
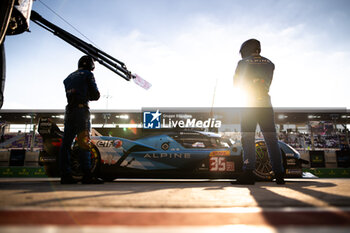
240 97
227 96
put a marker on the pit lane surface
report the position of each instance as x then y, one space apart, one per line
302 205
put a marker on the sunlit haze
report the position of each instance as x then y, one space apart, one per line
188 50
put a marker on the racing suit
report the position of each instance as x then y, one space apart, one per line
254 76
80 88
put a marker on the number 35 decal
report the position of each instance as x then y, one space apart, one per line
217 164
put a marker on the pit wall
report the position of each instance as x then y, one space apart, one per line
19 157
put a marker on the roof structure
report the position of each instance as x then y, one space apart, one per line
226 115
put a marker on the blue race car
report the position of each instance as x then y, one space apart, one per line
178 154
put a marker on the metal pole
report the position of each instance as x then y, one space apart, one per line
33 138
312 137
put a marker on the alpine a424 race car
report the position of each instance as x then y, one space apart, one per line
184 154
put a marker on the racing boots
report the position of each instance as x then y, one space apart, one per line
68 179
93 180
89 179
247 177
279 178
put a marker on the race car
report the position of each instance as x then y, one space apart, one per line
177 154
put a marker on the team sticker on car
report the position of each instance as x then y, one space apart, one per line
219 164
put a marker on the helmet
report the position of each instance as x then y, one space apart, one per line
249 47
86 62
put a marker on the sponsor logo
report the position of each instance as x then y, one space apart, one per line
115 143
220 153
151 120
165 146
191 123
168 156
291 162
294 171
230 166
104 143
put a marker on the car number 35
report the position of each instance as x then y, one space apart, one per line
217 164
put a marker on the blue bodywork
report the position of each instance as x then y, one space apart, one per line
174 155
183 154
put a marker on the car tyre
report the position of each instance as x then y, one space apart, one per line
263 168
95 162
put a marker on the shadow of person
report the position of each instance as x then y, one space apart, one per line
53 193
304 202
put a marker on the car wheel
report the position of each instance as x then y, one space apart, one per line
95 161
76 166
263 168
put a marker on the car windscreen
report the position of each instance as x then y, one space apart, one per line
202 142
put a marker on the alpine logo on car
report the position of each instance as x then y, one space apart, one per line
168 155
165 146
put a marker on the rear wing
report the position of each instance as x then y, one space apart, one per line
48 129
